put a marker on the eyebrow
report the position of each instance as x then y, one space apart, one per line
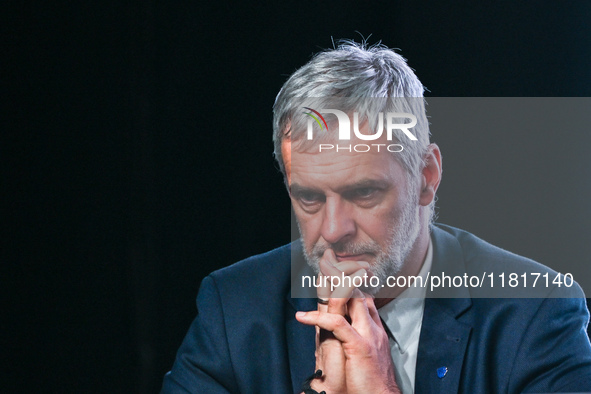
296 188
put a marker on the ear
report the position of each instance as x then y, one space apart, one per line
286 155
431 175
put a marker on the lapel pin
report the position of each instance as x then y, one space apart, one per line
441 372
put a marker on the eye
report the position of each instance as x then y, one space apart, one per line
365 196
309 198
363 193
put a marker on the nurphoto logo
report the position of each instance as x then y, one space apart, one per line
394 121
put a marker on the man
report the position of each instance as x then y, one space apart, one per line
363 198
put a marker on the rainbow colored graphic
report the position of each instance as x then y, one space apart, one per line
315 118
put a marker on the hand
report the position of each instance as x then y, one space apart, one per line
330 357
364 342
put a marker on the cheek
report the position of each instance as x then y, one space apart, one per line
377 225
373 227
309 225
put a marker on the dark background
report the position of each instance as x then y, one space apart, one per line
136 158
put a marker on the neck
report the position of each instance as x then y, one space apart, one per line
412 266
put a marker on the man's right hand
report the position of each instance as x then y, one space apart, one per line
330 357
364 343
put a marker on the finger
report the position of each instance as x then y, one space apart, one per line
324 339
363 311
348 267
323 293
336 324
329 265
323 336
347 284
337 306
373 311
338 297
359 313
327 269
337 302
331 360
333 275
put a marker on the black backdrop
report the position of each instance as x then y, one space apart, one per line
136 158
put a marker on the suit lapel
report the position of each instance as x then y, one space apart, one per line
442 346
444 339
301 339
300 342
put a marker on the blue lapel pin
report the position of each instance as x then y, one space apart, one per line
441 372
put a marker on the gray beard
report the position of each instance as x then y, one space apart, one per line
403 234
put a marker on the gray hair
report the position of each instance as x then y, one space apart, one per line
372 78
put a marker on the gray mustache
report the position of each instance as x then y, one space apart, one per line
372 248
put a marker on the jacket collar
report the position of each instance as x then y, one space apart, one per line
301 339
444 339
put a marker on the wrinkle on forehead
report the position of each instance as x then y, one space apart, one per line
335 169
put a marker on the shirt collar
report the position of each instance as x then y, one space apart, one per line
403 315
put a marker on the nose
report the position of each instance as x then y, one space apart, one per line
338 223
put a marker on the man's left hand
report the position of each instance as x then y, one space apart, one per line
368 363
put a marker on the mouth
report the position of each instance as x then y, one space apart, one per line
352 257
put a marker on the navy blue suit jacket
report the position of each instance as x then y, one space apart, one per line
245 338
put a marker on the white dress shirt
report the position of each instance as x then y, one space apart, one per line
403 317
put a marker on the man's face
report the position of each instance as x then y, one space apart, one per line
362 205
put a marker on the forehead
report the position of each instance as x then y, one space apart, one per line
332 169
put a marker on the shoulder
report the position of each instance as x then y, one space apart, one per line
536 337
479 254
263 266
237 307
462 252
253 282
